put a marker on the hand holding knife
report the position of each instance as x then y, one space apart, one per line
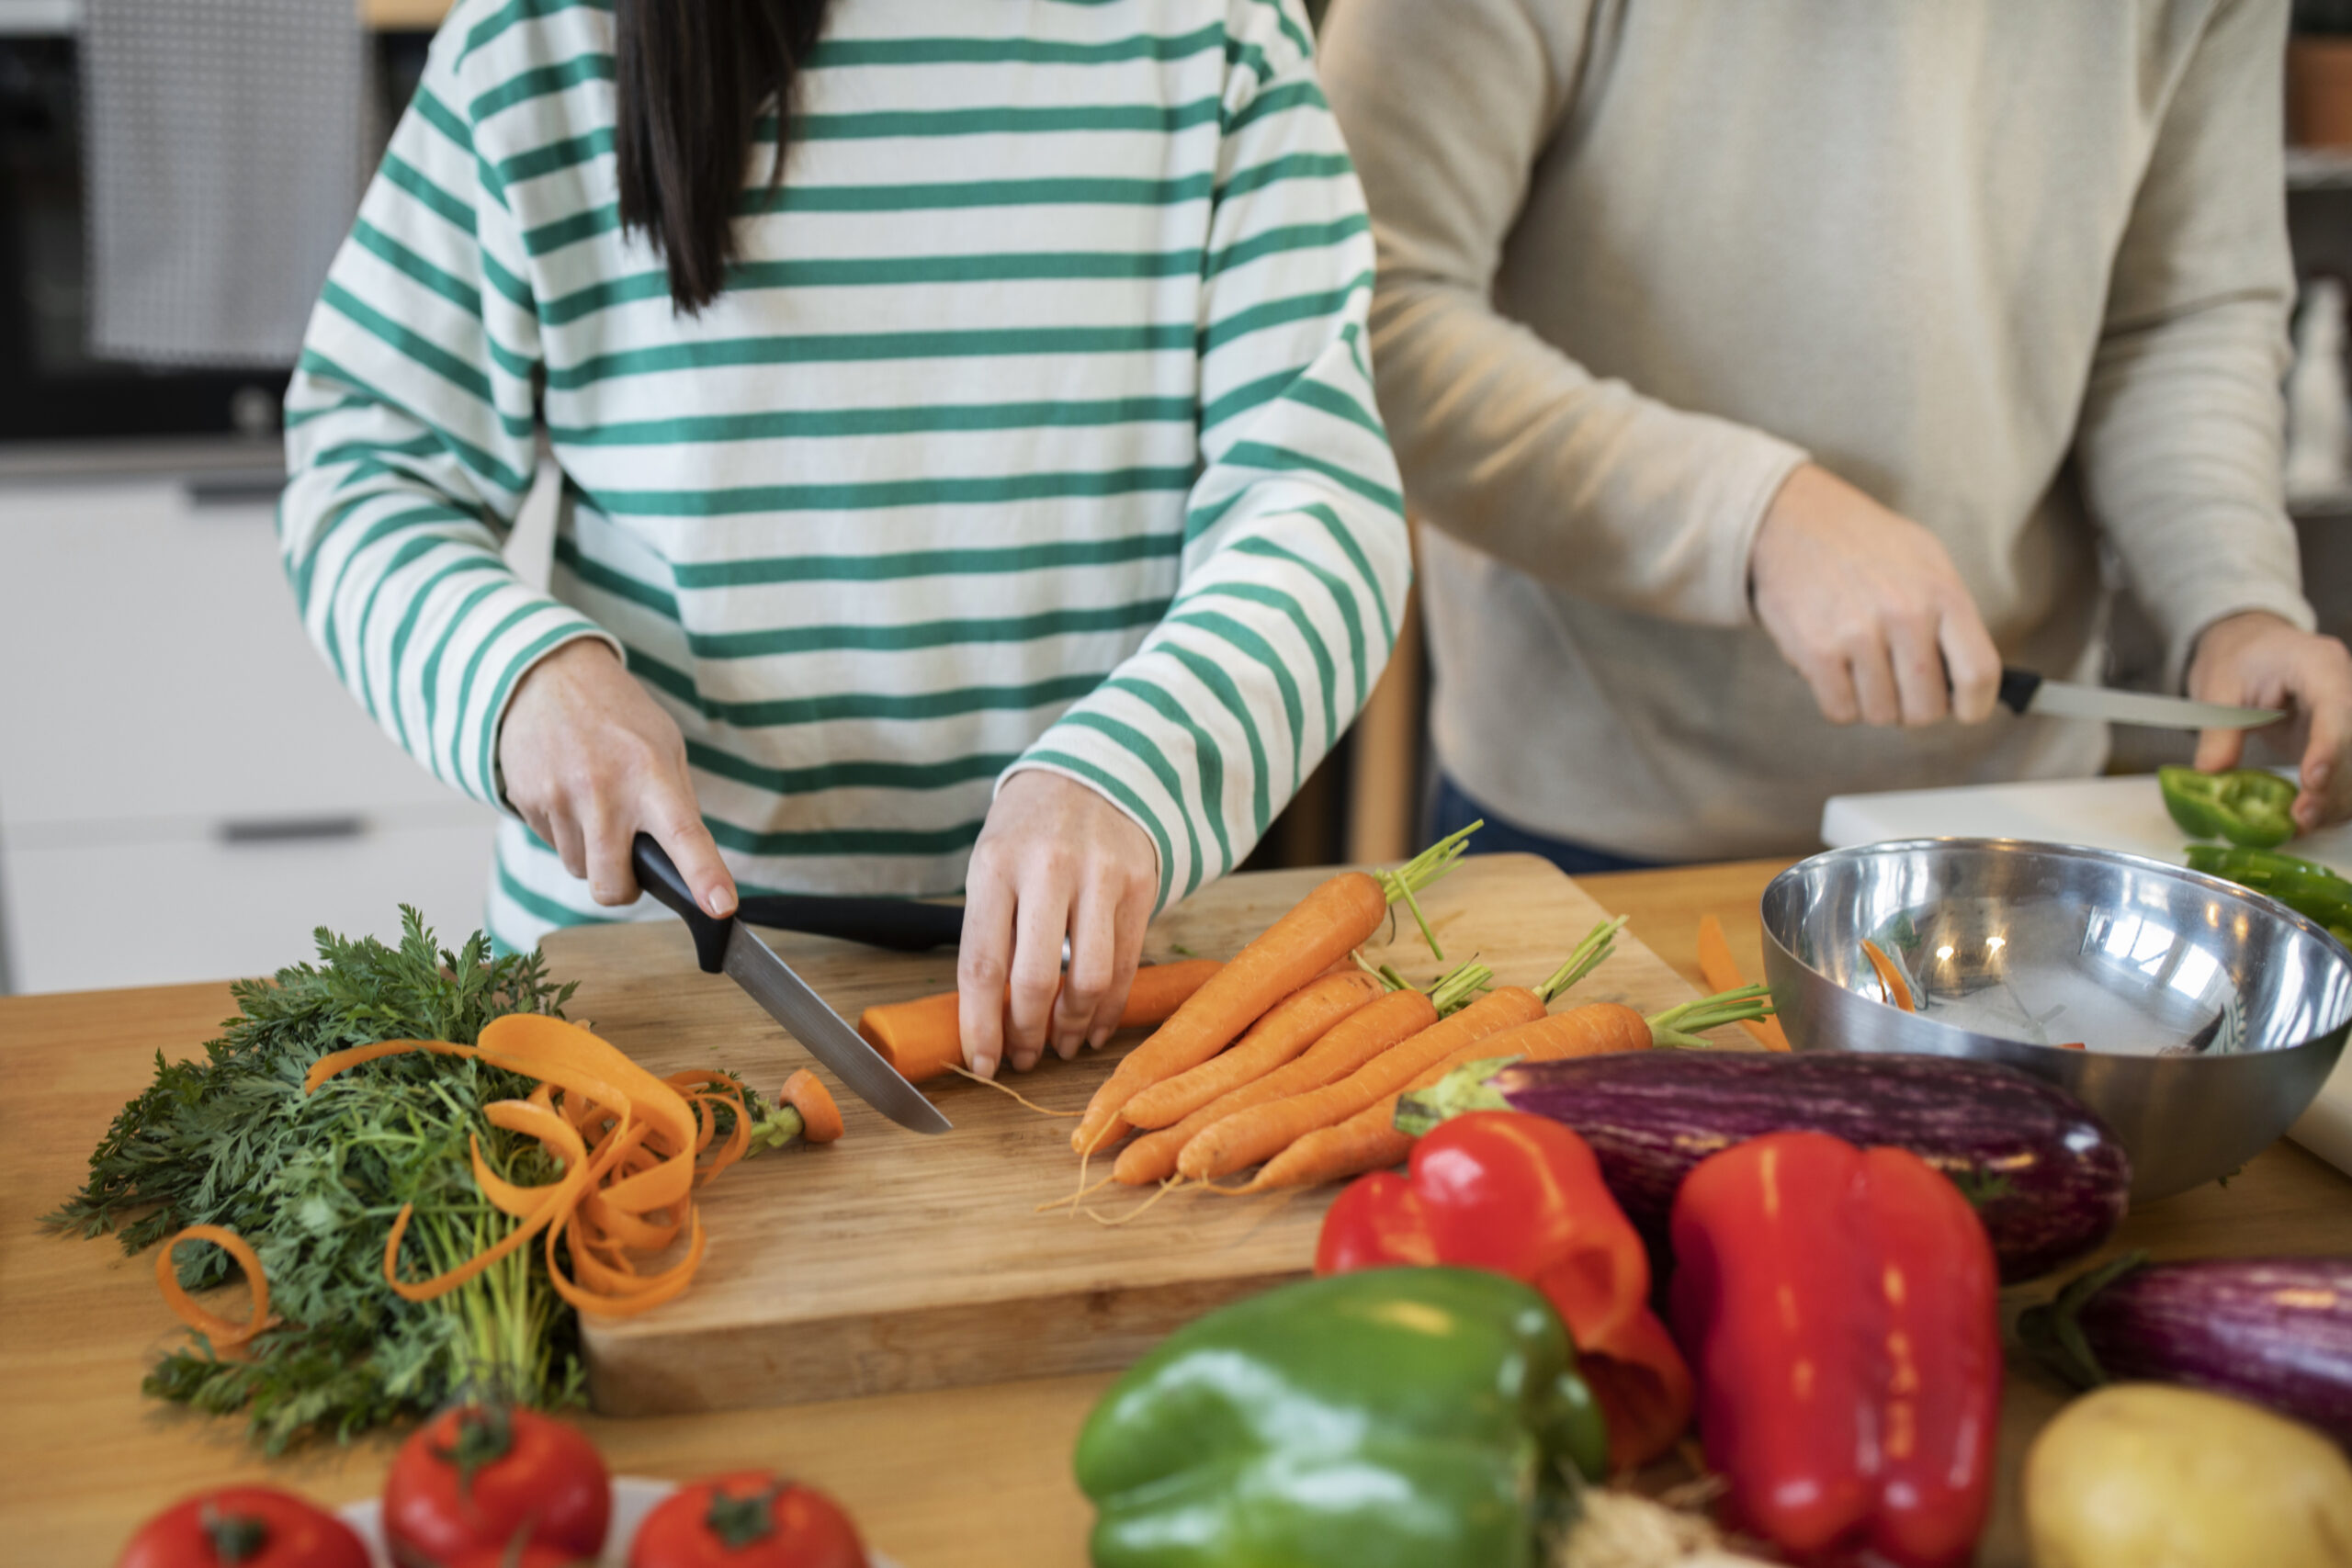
731 947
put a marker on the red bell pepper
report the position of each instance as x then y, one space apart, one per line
1841 1307
1523 1196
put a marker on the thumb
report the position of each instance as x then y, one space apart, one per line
2219 749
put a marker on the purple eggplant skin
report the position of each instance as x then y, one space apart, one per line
2048 1179
2277 1331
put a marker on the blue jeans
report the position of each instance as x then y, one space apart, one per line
1455 810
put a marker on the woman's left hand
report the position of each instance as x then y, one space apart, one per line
2256 660
1054 860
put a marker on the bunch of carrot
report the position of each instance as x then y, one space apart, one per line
1284 1060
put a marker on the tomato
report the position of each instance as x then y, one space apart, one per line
482 1475
749 1519
250 1527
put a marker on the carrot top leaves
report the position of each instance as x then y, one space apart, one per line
1403 883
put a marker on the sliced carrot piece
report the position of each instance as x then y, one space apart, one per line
220 1330
820 1119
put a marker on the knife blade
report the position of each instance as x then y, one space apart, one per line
2023 692
730 947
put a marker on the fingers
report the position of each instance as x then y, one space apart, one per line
1971 663
2219 749
1127 930
1040 918
1832 681
1915 655
677 826
983 965
1875 692
2322 686
1093 964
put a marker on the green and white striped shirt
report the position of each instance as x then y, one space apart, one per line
1034 430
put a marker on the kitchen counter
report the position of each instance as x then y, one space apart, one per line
974 1476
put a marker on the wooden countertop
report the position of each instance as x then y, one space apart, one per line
972 1477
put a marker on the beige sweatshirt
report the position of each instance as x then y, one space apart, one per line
2018 268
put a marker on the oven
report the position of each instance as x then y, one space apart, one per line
54 388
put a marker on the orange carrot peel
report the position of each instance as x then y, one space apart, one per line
1892 988
1720 970
220 1330
630 1145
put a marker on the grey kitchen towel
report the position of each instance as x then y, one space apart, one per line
223 144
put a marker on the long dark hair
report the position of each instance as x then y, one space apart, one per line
693 78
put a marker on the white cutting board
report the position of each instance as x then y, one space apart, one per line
2125 814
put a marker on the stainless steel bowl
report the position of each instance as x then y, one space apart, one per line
2211 1014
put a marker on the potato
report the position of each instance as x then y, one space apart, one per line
2140 1475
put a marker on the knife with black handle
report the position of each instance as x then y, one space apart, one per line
730 947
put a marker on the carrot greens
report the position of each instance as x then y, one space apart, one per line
314 1181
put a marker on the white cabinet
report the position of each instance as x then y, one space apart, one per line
185 791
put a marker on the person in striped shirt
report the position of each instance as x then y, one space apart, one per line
970 470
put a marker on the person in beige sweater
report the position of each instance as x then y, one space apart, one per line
1769 375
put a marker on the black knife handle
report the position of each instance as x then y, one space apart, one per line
2017 687
658 875
902 925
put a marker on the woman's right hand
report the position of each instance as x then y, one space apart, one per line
591 760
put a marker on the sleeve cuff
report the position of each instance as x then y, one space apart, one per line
1754 480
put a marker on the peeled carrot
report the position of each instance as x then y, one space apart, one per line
1350 1043
1722 971
1891 987
1369 1139
1290 1026
923 1039
1261 1131
1319 931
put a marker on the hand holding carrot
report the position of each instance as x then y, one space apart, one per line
1055 861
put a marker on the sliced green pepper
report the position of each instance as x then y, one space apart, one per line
2246 805
2310 889
1391 1419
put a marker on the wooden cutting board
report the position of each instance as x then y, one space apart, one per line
891 1262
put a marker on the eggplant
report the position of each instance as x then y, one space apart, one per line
2277 1331
2047 1176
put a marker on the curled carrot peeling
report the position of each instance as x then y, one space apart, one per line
220 1330
631 1149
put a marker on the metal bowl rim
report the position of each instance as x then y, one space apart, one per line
2260 900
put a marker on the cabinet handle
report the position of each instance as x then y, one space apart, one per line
214 492
291 829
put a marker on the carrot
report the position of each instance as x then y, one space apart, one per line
1290 1026
1370 1140
1720 970
1338 916
1260 1130
1263 1131
1891 987
922 1040
1350 1043
820 1119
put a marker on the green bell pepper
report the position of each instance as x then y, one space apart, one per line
2246 805
1391 1419
2310 889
